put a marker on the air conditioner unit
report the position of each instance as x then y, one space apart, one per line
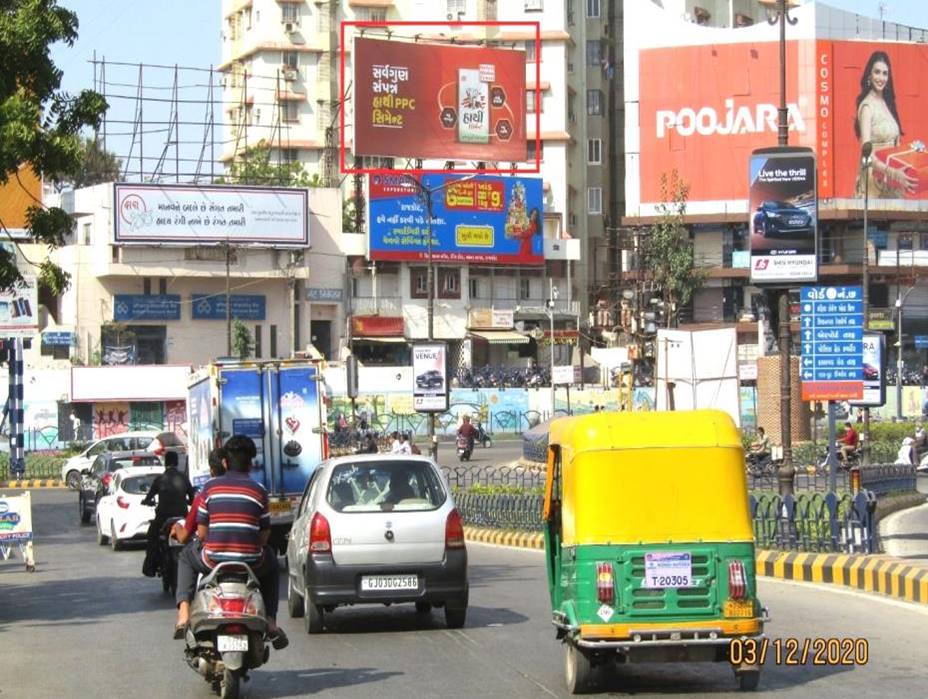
289 27
289 73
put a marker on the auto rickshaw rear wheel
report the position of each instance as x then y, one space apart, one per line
747 679
578 671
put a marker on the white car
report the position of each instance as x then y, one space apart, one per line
377 529
147 440
121 516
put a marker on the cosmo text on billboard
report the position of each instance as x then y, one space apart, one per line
434 101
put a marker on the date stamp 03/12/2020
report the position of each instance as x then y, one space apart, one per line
799 651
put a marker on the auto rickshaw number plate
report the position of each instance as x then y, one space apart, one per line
738 608
668 569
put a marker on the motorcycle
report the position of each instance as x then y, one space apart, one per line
227 633
169 550
760 465
483 438
464 448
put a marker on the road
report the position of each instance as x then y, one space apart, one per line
905 534
87 624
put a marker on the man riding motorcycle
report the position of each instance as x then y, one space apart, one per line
468 432
233 525
174 493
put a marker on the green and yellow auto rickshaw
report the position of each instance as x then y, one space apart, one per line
648 541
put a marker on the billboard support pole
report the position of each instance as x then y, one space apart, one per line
228 301
865 152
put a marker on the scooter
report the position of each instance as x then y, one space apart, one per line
169 550
464 449
227 633
483 438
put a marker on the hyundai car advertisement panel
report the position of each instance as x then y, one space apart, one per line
430 376
782 215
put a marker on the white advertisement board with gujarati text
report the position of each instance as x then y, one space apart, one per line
188 215
430 377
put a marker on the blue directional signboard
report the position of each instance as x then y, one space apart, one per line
831 333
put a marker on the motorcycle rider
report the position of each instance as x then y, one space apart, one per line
760 447
217 467
233 524
468 432
174 493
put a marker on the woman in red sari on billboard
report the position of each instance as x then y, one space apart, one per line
522 225
878 122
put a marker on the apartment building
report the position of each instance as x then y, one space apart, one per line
827 50
289 50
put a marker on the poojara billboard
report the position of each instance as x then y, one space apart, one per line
415 100
840 94
190 215
485 219
782 215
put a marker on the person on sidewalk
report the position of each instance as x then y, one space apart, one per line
233 524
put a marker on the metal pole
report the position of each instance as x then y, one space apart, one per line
551 316
867 149
899 362
228 301
433 439
832 449
782 125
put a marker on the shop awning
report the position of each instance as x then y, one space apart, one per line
381 340
501 337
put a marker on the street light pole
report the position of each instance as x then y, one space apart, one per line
865 152
551 293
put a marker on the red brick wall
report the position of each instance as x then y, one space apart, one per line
768 401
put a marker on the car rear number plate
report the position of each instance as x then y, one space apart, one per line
279 506
226 644
670 569
378 583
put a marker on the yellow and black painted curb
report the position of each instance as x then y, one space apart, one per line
33 483
895 577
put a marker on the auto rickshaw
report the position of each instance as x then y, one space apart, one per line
648 541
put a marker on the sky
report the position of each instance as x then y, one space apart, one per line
188 33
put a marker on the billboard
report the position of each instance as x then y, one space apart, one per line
874 370
189 215
20 192
415 100
430 377
783 212
19 310
481 219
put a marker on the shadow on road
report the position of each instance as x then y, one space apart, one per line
481 576
370 619
298 683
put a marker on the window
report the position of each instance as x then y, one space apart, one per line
592 9
372 15
594 200
534 5
146 286
291 60
571 111
55 351
531 150
456 7
525 289
594 102
85 240
368 486
290 13
162 286
905 241
419 283
531 105
257 342
594 151
273 341
290 155
291 111
530 51
473 288
923 241
247 15
594 53
450 280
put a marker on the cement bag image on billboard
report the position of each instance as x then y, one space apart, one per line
783 211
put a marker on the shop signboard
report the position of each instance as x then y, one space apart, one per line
244 306
146 307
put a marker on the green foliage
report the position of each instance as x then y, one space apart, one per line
39 124
668 251
242 342
37 465
500 490
889 431
117 334
351 221
96 166
257 167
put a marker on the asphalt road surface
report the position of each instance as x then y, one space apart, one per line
87 624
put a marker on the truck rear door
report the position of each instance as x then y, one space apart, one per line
243 410
294 422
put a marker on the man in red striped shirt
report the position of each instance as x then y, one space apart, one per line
233 525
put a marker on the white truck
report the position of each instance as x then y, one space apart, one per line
280 405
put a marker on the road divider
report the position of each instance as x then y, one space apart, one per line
33 483
895 577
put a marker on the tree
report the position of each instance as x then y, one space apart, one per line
668 250
96 166
256 166
39 123
242 342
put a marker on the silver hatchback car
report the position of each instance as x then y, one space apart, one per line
376 529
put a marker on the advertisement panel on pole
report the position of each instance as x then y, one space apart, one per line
562 375
19 310
483 219
783 213
417 100
156 214
874 370
430 377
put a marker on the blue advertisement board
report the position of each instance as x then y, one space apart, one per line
244 306
146 307
481 219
